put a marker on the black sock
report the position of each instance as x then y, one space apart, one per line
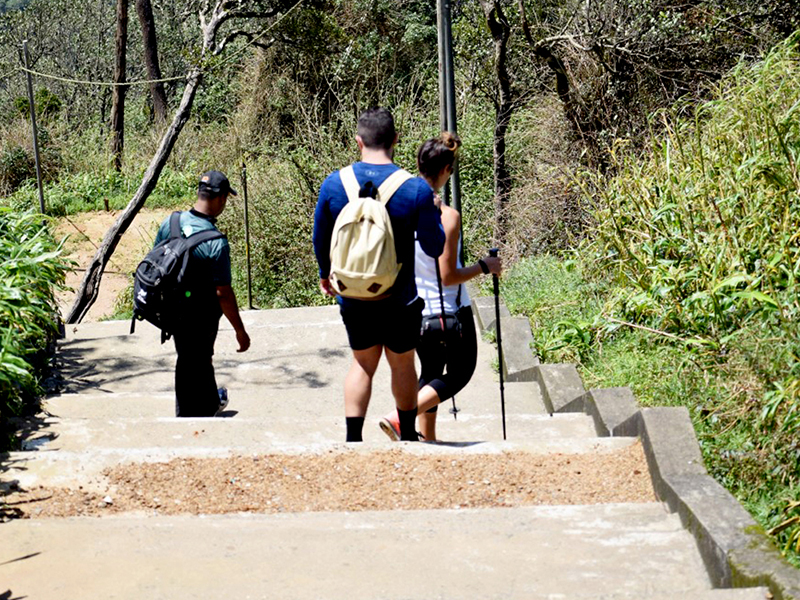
355 426
408 425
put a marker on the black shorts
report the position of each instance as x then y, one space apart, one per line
382 323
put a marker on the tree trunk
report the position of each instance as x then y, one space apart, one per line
118 106
90 285
504 108
145 11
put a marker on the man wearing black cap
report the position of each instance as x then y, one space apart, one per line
210 296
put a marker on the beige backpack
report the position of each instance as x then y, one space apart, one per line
363 257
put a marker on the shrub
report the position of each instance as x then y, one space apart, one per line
17 161
30 272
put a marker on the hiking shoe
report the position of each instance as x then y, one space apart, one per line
390 428
223 401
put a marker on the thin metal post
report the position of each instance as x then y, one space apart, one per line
450 95
447 101
26 59
247 237
440 24
442 13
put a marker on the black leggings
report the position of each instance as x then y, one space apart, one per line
458 355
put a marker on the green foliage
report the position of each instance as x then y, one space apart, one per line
30 271
559 302
46 102
687 289
281 219
89 191
477 180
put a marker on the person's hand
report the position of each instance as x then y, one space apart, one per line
243 340
327 288
495 264
437 201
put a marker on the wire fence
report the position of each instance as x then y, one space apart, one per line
229 60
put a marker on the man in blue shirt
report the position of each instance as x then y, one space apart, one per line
393 323
210 295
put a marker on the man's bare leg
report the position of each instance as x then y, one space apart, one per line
358 389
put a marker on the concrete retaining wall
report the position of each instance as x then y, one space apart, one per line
736 551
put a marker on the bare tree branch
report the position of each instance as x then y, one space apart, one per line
249 36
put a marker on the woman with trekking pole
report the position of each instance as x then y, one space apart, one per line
448 344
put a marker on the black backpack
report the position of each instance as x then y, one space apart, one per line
157 283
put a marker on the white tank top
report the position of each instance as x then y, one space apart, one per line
428 286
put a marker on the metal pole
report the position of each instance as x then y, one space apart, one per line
442 13
450 95
26 59
247 237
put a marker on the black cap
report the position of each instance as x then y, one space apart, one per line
216 183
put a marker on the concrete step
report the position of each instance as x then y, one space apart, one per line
300 401
613 551
300 360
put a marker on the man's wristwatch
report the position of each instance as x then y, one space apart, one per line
484 266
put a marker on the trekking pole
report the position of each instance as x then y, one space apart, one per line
443 324
496 282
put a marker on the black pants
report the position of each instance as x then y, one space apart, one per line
195 384
458 354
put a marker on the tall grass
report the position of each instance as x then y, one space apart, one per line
698 238
30 272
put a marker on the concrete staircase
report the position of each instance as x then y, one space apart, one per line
286 397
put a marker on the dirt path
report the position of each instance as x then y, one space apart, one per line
85 233
338 481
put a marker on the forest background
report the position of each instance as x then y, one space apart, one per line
636 162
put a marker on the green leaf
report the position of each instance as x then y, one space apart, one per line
732 281
758 296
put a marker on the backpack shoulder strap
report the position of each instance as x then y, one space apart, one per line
391 184
175 225
198 238
350 182
192 242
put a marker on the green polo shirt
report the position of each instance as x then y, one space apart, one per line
211 259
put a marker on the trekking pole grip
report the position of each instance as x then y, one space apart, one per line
493 254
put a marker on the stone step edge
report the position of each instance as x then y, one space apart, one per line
284 317
577 446
412 448
170 395
45 419
735 550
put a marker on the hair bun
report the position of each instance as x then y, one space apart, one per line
450 140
